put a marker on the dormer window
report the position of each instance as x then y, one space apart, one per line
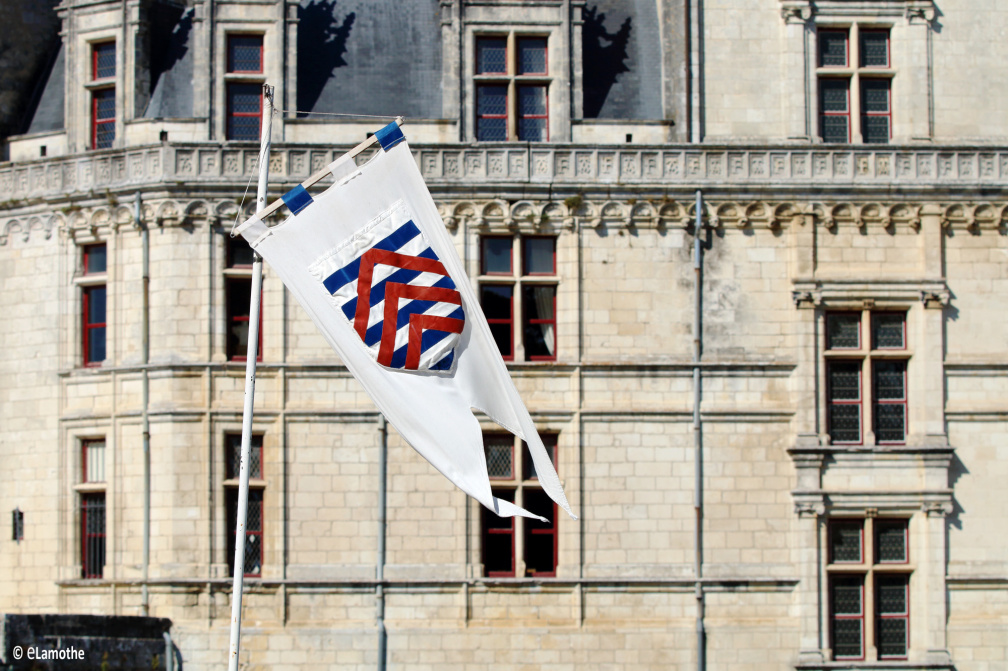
103 94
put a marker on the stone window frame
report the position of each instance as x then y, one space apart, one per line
512 26
511 78
101 87
911 24
516 488
234 78
855 74
238 278
89 281
868 572
519 281
867 356
231 441
94 492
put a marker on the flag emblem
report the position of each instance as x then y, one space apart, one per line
395 293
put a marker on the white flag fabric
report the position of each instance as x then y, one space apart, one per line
372 265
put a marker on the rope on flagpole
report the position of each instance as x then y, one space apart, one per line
250 369
277 110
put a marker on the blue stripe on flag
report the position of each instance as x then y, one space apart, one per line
349 272
399 356
445 363
374 333
401 276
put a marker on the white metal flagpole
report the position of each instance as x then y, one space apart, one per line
250 368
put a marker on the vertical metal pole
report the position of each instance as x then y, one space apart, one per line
380 569
698 438
250 367
145 394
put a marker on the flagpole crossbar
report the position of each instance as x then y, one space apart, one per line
317 177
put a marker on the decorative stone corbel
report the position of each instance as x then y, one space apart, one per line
810 508
936 508
935 300
796 11
805 300
920 11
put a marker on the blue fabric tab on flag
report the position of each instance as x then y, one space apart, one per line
297 199
390 136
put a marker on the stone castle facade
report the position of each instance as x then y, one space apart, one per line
811 475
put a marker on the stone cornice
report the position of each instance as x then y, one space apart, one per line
96 215
560 167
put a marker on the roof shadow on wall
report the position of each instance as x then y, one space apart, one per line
604 57
321 44
169 45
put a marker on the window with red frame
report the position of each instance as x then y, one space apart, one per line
855 75
244 98
92 507
869 554
238 292
497 301
93 304
512 92
92 515
513 478
849 362
103 94
534 284
254 515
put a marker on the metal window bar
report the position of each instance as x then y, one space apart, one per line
92 535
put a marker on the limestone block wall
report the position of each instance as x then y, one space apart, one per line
29 397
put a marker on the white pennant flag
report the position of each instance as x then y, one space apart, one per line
371 263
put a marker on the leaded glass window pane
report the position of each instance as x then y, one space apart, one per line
499 456
834 129
845 423
104 60
890 380
833 48
104 104
843 331
491 112
875 129
532 56
874 48
892 637
890 423
893 615
891 541
845 541
845 380
888 331
491 55
834 95
847 638
245 53
847 611
233 465
875 95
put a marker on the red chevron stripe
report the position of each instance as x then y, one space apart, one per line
417 325
369 260
395 291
